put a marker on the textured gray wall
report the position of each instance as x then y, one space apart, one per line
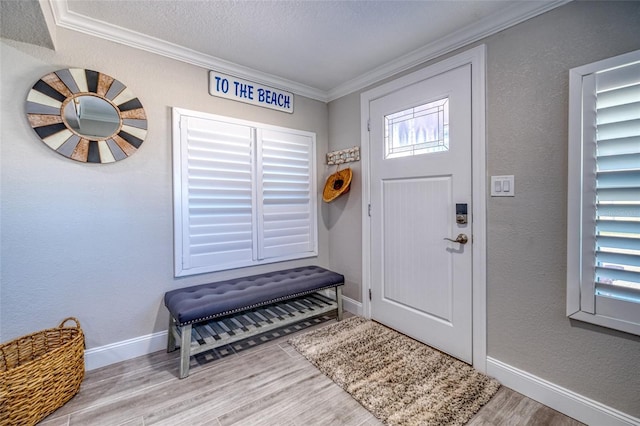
527 109
96 241
527 101
345 220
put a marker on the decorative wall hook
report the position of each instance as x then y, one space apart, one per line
343 156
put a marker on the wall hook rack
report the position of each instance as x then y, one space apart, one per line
343 156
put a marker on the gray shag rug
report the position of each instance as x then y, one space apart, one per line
399 380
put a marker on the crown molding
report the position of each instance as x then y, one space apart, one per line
70 20
515 13
512 15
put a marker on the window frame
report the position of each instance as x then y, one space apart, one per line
180 174
583 303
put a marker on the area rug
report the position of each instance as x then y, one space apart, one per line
399 380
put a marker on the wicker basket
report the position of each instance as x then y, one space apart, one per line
39 373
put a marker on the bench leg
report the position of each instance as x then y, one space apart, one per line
339 302
171 339
185 350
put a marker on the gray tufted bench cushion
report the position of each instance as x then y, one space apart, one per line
193 309
198 303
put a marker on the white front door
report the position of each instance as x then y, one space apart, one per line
420 177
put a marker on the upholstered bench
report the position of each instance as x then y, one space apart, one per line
207 316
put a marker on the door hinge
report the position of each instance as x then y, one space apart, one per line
368 125
369 210
369 294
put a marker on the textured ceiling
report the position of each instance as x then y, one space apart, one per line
321 49
317 43
23 21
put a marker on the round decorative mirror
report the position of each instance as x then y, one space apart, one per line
86 115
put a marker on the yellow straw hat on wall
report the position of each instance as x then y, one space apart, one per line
337 184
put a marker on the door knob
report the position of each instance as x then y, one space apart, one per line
461 238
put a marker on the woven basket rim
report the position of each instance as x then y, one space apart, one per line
73 340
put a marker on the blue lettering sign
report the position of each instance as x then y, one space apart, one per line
249 92
243 90
222 84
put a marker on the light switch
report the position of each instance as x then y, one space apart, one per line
502 186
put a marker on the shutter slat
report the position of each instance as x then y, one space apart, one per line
629 211
610 275
619 194
621 96
200 185
221 248
630 242
623 77
618 179
619 129
271 144
222 228
618 146
619 226
628 161
286 155
277 224
221 219
618 113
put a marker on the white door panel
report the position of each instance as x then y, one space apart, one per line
421 283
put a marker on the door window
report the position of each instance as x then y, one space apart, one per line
419 130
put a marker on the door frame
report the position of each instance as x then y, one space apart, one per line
477 58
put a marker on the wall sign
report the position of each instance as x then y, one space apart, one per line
237 89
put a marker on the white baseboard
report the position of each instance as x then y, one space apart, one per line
352 306
348 304
560 399
124 350
143 345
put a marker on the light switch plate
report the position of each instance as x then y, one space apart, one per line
503 186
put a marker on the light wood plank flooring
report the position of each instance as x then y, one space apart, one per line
269 384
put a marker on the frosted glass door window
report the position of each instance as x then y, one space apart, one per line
419 130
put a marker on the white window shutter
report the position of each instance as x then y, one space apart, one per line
218 193
245 193
618 182
286 193
603 224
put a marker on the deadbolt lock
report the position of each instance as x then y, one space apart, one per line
461 214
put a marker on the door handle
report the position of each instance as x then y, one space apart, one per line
461 238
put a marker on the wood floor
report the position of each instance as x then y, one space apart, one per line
268 384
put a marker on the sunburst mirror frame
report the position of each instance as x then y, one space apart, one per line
45 107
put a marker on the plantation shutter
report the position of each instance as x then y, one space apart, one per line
286 194
617 189
218 194
244 193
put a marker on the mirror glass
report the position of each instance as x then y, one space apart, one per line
91 117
